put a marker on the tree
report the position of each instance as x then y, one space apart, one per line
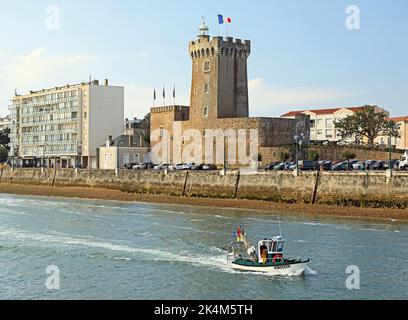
284 156
145 123
366 123
3 154
348 155
392 129
314 155
4 138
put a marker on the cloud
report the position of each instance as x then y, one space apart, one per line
39 69
269 100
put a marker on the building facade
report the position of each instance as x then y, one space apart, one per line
399 143
219 102
123 150
64 126
5 123
322 122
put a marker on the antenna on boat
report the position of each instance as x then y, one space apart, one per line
280 230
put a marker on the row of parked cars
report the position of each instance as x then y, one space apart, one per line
171 167
326 165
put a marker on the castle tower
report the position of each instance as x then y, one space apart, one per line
219 87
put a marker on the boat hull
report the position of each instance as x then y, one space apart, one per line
288 269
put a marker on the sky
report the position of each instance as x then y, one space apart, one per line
303 54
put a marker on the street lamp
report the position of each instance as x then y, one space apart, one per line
390 153
117 153
298 144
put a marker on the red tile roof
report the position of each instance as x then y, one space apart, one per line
321 111
399 119
293 113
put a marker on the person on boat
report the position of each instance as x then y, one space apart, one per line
239 234
263 254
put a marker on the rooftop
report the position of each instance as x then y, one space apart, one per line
67 86
321 111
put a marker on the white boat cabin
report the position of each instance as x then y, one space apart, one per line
268 249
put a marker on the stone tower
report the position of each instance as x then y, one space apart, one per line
219 87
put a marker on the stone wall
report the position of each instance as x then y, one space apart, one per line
270 154
349 189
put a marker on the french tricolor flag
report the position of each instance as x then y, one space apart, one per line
221 19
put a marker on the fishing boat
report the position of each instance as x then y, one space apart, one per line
266 258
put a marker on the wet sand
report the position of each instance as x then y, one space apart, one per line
281 208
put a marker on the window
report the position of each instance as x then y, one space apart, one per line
312 123
206 88
136 158
207 66
205 111
329 123
108 159
319 131
319 122
161 132
85 115
329 133
126 158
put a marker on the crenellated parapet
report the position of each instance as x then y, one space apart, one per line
219 46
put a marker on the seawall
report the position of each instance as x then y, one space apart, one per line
362 189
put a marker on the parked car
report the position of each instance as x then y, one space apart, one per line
209 167
325 165
308 165
143 166
129 166
290 166
358 166
368 164
341 166
394 165
403 164
180 167
270 166
377 165
279 166
162 166
196 167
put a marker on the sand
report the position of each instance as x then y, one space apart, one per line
280 208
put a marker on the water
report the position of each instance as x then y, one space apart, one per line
116 250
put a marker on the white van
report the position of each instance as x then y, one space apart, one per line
404 162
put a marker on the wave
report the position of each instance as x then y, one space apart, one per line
309 271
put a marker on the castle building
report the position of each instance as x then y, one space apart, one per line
219 101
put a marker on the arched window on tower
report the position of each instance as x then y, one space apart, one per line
207 66
205 113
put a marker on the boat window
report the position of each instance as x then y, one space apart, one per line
274 247
280 246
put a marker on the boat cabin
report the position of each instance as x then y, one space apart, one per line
269 249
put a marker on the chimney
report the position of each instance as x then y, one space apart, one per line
106 82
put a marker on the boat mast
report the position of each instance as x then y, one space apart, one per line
280 230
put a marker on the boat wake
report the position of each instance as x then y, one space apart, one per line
309 271
216 260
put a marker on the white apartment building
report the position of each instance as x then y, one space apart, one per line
64 126
5 123
322 122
